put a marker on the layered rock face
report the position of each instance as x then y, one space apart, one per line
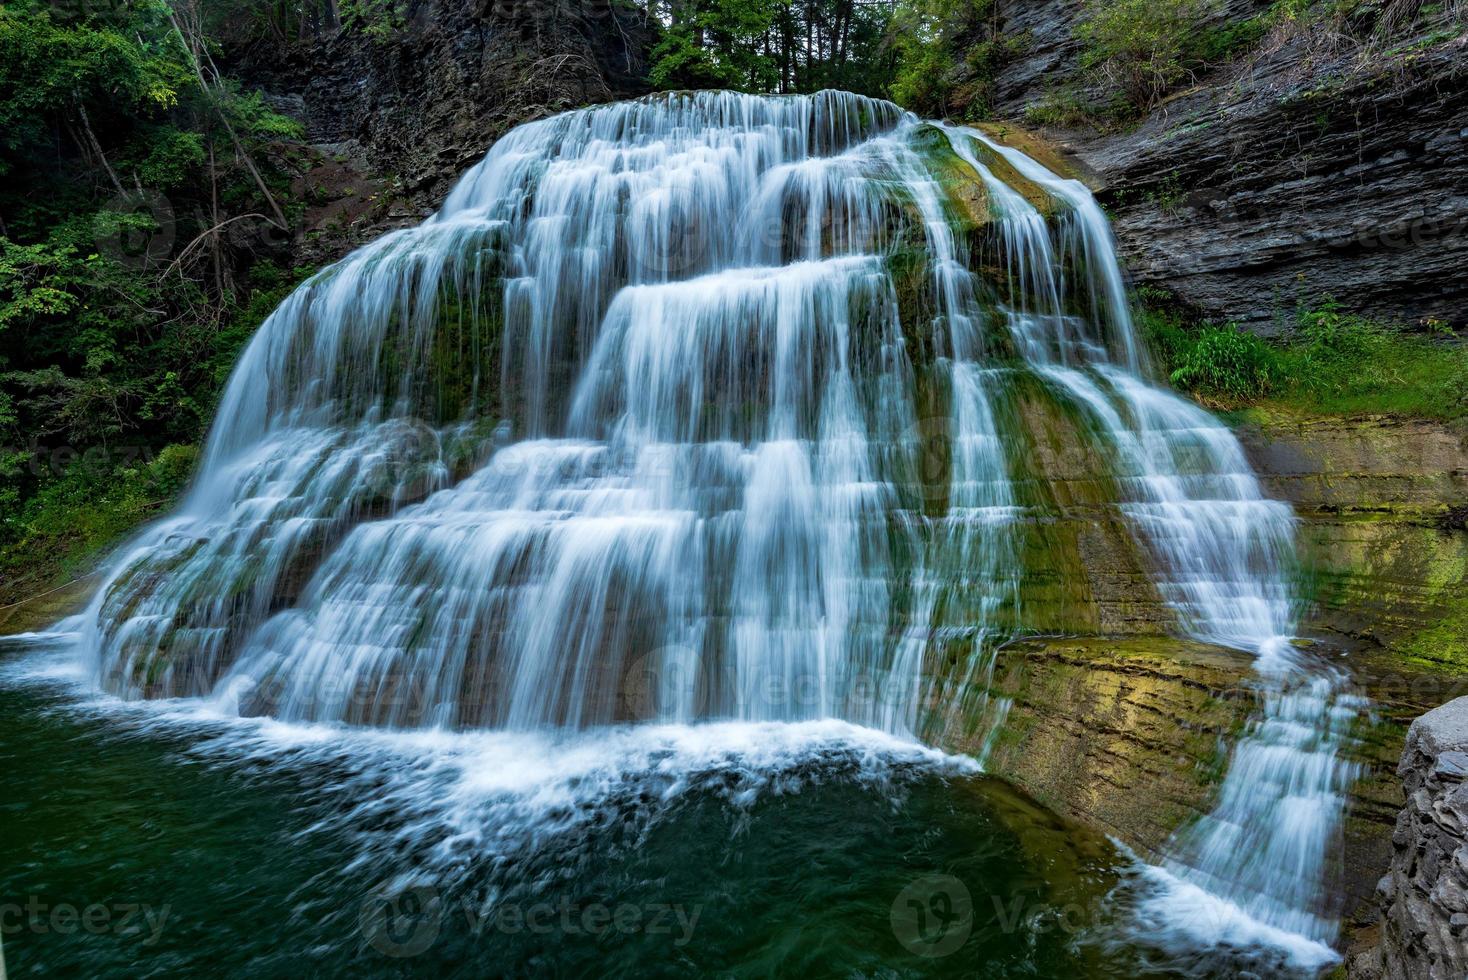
1303 171
1127 729
1128 734
1424 897
396 111
1260 193
1386 556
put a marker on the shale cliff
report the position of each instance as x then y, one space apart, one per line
1304 168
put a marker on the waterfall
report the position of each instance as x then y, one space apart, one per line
1224 553
641 427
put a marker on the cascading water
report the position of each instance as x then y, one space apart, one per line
1225 553
635 429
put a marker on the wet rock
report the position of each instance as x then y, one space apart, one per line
1128 734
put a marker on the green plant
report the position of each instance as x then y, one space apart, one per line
1329 362
377 19
1169 194
1226 362
80 512
947 54
771 45
140 205
1061 106
1141 45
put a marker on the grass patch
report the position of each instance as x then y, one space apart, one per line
1330 362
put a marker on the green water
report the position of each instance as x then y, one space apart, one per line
129 850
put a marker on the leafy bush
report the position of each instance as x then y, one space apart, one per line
81 512
1141 45
1342 363
139 207
1227 362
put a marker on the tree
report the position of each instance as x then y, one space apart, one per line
773 45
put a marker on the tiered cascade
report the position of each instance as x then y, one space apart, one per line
700 407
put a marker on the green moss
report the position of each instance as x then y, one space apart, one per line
1131 734
1443 646
1391 577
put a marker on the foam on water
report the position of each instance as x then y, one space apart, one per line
438 804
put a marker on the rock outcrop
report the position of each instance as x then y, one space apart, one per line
427 102
397 112
1264 192
1424 896
1306 169
1384 552
1128 734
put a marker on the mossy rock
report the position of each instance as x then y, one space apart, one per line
1039 149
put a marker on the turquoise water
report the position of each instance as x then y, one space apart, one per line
154 841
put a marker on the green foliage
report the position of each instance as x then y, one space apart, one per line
1347 364
48 68
1226 362
936 57
78 514
717 44
134 261
1146 48
922 39
772 45
947 54
32 284
1225 42
378 19
1330 362
1142 46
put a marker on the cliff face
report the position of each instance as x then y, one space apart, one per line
394 115
1300 171
1423 899
428 102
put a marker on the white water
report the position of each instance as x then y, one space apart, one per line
433 806
694 489
1227 553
